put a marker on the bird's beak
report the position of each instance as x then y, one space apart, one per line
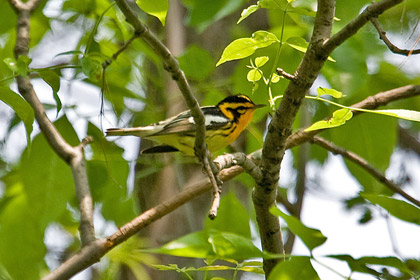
259 106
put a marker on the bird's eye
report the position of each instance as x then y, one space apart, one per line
241 110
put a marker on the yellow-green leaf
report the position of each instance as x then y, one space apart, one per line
260 61
157 8
339 118
253 75
247 12
245 47
22 109
329 91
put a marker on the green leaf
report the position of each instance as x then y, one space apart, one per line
339 118
329 91
300 44
20 230
271 4
298 267
253 75
260 61
245 47
51 78
210 244
21 107
70 52
108 172
397 208
232 217
196 63
43 182
227 245
366 265
247 12
157 8
92 68
365 135
311 237
356 265
202 13
275 78
19 66
193 245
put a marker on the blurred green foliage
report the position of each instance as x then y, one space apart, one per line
37 189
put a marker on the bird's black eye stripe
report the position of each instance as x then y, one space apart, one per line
238 110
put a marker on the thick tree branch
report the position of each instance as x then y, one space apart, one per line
72 155
393 48
172 66
365 165
279 130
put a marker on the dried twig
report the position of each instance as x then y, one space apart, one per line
393 48
365 165
283 73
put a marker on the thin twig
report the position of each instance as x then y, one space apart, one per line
283 73
371 11
114 57
172 66
73 156
388 43
365 165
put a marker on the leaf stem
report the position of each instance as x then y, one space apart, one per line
276 60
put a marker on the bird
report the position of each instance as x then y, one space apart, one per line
224 123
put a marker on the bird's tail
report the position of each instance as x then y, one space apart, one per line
135 131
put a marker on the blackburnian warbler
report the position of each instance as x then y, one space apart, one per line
224 122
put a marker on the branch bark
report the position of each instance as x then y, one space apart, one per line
73 156
320 47
279 130
393 48
172 66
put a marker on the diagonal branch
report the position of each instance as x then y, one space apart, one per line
365 165
93 252
172 66
393 48
97 249
73 156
